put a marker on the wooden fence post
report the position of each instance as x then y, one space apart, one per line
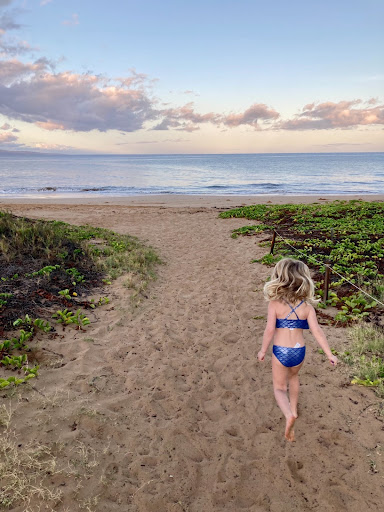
273 242
326 283
327 274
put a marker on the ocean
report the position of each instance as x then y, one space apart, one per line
45 176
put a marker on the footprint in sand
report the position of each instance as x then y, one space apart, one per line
214 410
294 468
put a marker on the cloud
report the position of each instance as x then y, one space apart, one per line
251 116
45 2
34 92
191 93
56 147
10 46
329 115
14 48
72 22
7 137
5 126
14 71
136 79
69 101
49 125
186 119
151 142
8 23
3 3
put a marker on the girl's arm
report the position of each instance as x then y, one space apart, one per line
269 331
319 335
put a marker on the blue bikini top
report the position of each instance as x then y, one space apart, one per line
292 324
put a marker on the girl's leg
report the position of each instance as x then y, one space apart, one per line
280 380
294 386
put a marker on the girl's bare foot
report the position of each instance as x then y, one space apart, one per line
289 432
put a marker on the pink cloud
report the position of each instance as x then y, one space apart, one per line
187 119
34 93
70 101
13 70
49 125
184 118
56 147
329 115
187 112
7 137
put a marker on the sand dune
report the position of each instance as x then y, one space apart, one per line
164 408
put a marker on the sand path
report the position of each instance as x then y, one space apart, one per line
168 402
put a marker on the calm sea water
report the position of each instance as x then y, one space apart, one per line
251 174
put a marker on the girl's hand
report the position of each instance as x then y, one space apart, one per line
260 356
333 360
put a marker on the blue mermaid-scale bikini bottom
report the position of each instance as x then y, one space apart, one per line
289 356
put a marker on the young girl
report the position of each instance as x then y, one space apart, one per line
290 292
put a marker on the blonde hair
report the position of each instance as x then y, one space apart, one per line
290 281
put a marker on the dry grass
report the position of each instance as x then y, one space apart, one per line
5 415
23 470
366 338
365 356
52 400
85 458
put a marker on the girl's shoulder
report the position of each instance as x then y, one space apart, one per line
308 310
278 306
308 306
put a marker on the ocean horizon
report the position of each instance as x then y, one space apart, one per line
39 175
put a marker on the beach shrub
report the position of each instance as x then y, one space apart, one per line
50 264
346 235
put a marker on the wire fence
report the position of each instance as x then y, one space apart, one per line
328 267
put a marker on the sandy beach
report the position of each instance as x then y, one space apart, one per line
163 407
183 200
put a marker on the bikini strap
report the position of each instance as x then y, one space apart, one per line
293 310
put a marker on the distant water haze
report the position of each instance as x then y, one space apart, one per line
39 175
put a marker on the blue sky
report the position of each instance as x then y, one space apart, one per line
244 76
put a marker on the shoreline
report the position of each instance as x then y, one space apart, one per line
185 201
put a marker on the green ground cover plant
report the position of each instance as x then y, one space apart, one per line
47 271
347 235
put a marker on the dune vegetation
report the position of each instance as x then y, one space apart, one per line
49 269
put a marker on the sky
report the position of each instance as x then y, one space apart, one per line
174 76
